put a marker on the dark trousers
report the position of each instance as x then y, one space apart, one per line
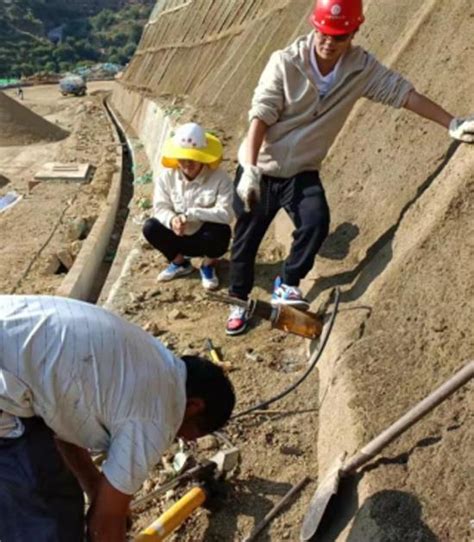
40 499
211 240
303 198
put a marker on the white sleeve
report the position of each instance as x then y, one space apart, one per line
162 203
269 96
386 86
136 447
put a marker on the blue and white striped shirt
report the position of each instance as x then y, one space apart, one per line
96 380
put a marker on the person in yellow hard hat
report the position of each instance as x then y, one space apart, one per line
192 205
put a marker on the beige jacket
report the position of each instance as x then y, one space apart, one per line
208 198
303 126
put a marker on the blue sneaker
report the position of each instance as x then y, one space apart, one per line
174 271
208 277
288 295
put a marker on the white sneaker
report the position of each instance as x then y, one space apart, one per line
209 277
174 271
288 295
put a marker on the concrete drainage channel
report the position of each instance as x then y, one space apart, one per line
89 272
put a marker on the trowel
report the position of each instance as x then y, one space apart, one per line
341 468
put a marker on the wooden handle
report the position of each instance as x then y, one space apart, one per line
410 418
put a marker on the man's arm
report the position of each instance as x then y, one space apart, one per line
81 465
426 108
255 137
107 517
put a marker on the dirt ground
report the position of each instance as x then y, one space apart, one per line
401 199
277 448
53 217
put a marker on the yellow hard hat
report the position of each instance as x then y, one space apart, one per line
191 142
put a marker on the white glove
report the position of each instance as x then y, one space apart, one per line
248 188
462 129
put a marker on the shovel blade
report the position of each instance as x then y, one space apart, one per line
320 500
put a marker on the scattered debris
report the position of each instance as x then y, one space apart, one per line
9 200
176 314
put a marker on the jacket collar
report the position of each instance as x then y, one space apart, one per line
200 179
354 60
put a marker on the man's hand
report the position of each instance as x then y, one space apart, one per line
107 516
248 188
462 129
178 224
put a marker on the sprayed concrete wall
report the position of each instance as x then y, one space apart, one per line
402 200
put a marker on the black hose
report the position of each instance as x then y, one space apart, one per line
313 360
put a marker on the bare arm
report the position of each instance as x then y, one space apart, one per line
427 109
255 137
81 465
107 517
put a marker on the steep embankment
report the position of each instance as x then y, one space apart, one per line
402 199
21 126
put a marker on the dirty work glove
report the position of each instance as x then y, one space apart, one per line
248 188
462 129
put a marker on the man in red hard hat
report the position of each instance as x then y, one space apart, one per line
301 102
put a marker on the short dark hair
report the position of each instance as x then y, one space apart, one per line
208 381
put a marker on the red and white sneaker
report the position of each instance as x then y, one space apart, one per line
237 321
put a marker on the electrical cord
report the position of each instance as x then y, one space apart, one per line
313 360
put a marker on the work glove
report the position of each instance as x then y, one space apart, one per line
462 129
248 188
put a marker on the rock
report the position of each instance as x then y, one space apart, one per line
189 352
75 248
153 328
207 443
176 314
148 486
251 355
290 450
170 495
65 257
52 265
77 229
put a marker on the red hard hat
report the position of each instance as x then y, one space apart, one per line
335 17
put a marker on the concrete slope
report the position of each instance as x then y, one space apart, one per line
21 126
400 248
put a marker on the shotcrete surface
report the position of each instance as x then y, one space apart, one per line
400 248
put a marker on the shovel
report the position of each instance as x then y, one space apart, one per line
342 468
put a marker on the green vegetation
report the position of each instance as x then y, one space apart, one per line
107 36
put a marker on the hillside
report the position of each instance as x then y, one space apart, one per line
57 36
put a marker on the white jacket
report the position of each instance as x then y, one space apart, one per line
302 125
207 198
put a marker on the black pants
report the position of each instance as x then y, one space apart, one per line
303 198
211 240
39 497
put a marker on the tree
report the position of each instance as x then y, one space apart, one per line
64 52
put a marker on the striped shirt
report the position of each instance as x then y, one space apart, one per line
96 380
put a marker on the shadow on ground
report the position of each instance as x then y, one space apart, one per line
386 516
252 496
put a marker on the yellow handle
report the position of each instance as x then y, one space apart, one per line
173 517
215 356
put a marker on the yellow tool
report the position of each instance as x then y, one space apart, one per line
215 357
222 462
174 516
